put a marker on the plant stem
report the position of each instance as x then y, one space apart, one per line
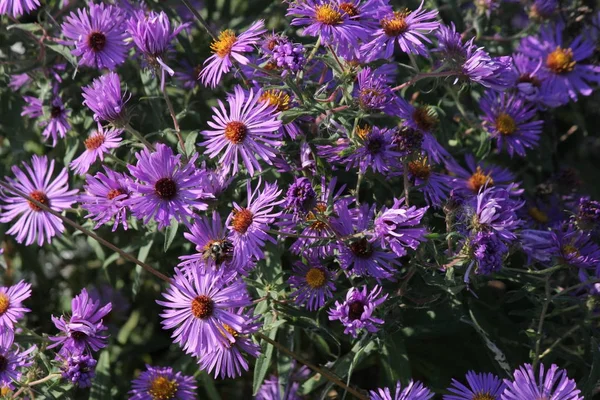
424 75
34 383
337 60
175 123
406 182
560 339
323 372
542 272
200 19
538 343
358 183
140 137
85 231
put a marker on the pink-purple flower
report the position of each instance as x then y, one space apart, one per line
356 313
162 383
99 141
105 198
11 304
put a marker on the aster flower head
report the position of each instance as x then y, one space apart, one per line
356 312
468 181
16 8
575 247
300 196
373 92
312 283
329 19
415 390
481 386
250 130
288 56
396 227
105 196
162 383
486 252
84 331
226 48
188 74
17 81
511 121
228 360
552 383
435 186
407 28
98 34
375 151
491 72
79 369
588 214
494 209
98 142
166 188
200 308
12 359
55 117
33 223
103 96
152 34
270 390
359 255
563 66
11 304
248 225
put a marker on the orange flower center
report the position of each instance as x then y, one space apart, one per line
349 9
424 119
484 396
276 98
242 219
363 132
396 24
479 179
112 193
202 307
325 14
505 124
97 41
162 388
4 303
40 197
315 278
235 132
95 141
420 168
560 61
165 188
224 43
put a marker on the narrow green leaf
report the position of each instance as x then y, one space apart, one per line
101 384
31 27
63 51
263 362
170 234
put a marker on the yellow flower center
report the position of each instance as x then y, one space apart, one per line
242 219
479 179
235 132
223 44
424 119
162 388
560 61
505 124
316 224
276 98
4 303
484 396
538 215
327 15
363 132
5 391
396 24
420 168
315 278
571 250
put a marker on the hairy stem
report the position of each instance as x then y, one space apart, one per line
175 123
139 137
27 385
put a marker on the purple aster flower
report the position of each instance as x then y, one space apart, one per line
11 304
588 214
228 360
396 227
79 369
415 390
282 101
562 70
477 175
407 28
248 225
408 140
99 142
486 251
84 331
511 121
360 256
55 118
494 210
376 151
301 197
526 76
166 188
288 56
104 98
543 9
536 244
356 312
214 249
16 8
105 293
200 308
433 185
152 34
105 197
12 359
34 223
188 74
329 20
374 93
226 47
551 384
312 283
162 383
575 247
481 386
249 130
270 390
98 34
17 81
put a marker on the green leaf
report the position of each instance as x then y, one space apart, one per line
101 384
97 247
170 234
263 362
63 51
394 359
145 250
31 27
209 386
190 143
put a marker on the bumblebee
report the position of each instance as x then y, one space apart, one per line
218 251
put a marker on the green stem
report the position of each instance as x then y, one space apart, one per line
538 342
139 137
200 19
27 385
